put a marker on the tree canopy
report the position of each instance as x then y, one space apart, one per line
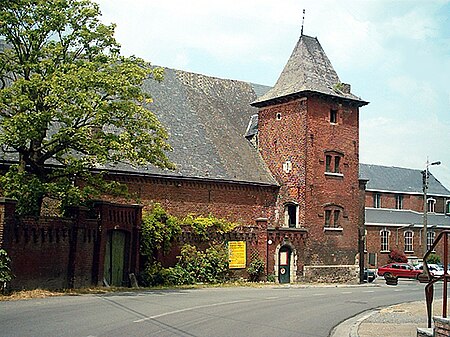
70 103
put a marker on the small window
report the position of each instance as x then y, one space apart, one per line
337 160
290 215
377 200
278 116
333 216
431 205
447 207
328 159
333 163
399 201
336 218
372 259
327 217
333 116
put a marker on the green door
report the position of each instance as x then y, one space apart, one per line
284 264
115 258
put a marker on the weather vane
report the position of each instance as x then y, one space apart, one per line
303 21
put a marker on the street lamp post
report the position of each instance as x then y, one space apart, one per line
425 174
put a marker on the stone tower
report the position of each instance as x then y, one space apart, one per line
308 136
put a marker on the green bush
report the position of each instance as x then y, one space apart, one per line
6 274
209 266
434 258
194 266
256 268
159 230
271 278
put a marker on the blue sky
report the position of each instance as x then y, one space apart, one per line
395 54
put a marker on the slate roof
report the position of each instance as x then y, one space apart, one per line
397 179
207 120
383 216
307 70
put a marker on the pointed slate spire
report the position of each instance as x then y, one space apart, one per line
307 70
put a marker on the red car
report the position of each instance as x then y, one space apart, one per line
399 270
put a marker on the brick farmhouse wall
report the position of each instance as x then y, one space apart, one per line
57 253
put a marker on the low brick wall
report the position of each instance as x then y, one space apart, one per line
331 274
441 326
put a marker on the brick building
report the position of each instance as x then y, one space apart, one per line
296 169
394 213
281 161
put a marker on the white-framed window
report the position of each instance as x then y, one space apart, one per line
431 205
291 215
384 238
377 200
399 201
409 241
430 239
447 207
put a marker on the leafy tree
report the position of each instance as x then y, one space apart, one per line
70 102
397 256
158 231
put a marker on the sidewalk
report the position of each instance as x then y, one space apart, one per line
400 320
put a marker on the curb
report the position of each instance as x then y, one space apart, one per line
349 327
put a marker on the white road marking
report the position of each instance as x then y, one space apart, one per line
272 298
188 309
346 292
318 294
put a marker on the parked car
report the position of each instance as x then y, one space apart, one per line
404 270
369 275
435 269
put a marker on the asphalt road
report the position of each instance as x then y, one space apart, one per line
241 311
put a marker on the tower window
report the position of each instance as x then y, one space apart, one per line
333 216
291 215
333 116
333 162
278 116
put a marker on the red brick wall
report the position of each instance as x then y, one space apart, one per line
281 140
242 203
302 133
412 202
323 189
56 253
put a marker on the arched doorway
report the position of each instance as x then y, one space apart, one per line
284 264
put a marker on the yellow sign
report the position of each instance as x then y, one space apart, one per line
237 256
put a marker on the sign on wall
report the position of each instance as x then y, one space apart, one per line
237 254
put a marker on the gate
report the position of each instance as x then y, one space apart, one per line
115 258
